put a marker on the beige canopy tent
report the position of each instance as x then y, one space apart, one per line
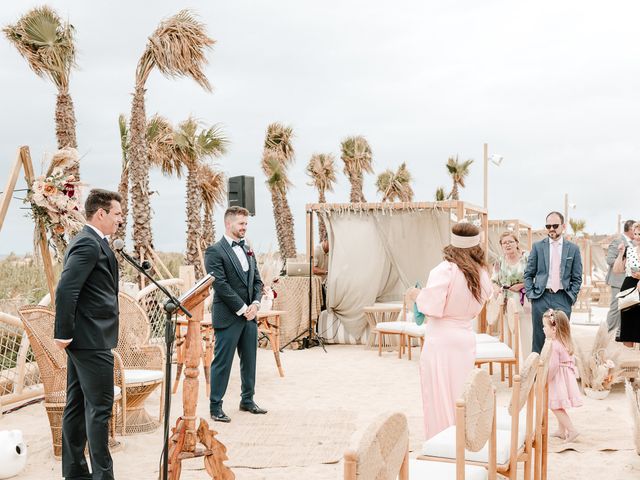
519 228
379 250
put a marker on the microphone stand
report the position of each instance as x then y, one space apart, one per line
170 306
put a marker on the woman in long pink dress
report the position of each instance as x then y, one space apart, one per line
455 293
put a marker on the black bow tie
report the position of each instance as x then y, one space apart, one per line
237 244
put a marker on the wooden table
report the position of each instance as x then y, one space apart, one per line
380 313
269 326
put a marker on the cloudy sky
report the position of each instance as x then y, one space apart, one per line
552 86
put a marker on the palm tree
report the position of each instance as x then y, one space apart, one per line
278 183
277 156
322 170
356 155
212 186
440 195
395 185
47 44
458 171
123 186
176 48
192 145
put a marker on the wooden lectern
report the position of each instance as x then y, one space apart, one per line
185 438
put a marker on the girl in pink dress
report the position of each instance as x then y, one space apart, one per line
455 293
563 386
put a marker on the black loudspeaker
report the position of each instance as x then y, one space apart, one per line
241 193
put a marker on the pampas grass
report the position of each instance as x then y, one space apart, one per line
600 368
632 389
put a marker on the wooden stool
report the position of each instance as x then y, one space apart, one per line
269 326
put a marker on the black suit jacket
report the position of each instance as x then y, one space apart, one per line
232 287
87 294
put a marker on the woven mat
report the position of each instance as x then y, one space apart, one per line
286 438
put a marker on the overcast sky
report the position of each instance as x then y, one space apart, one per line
552 86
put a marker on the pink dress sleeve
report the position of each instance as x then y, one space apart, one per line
554 360
486 286
433 298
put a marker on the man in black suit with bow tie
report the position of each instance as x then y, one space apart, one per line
86 326
237 291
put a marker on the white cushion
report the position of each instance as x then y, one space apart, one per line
430 470
391 327
443 445
503 419
414 330
486 338
141 376
493 350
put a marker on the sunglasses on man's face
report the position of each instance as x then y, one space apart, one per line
553 226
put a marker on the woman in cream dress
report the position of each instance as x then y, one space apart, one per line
456 291
508 278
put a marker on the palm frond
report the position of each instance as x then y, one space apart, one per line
279 138
322 170
275 171
193 144
395 185
46 43
212 185
440 194
356 154
177 48
162 147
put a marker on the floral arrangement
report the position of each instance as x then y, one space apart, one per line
600 369
54 200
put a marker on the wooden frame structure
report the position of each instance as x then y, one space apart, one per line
518 227
23 162
455 207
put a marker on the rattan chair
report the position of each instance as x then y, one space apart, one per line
52 362
381 452
506 353
143 365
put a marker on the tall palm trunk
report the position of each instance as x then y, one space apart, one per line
194 205
356 180
284 221
123 190
139 173
65 121
454 192
208 229
322 228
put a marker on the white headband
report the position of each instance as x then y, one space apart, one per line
464 242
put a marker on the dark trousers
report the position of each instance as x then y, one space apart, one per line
558 301
241 335
87 414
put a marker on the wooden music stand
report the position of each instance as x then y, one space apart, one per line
185 438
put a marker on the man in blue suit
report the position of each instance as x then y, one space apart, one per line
553 275
237 291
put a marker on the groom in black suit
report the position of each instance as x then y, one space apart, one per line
237 291
86 325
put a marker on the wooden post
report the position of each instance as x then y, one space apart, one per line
485 152
10 187
41 233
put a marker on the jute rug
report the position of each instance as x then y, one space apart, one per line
286 438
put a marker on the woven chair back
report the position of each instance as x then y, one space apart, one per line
52 361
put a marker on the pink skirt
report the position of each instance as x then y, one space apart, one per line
447 358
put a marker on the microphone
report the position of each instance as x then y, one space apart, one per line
118 246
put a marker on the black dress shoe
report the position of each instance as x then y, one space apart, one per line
220 416
253 408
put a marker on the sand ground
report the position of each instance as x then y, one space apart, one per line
350 378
